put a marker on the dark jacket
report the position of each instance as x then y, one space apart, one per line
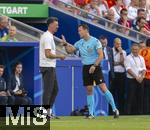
2 84
3 32
111 60
12 82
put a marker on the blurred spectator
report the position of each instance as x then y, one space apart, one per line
11 35
124 21
103 7
64 4
145 31
142 45
95 10
82 2
111 3
143 5
139 23
140 13
135 67
3 26
126 3
148 10
81 13
118 86
110 16
132 9
146 55
5 96
117 8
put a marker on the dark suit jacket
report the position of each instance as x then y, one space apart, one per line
2 84
12 82
111 60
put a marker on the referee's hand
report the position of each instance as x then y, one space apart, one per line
92 69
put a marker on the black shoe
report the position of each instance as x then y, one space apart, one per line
54 117
89 117
116 114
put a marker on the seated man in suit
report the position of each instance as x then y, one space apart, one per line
16 87
5 96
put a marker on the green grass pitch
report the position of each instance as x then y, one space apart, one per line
101 123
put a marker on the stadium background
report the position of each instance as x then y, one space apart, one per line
71 89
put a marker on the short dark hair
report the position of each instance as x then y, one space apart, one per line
139 19
140 10
148 42
141 42
135 44
102 37
124 9
2 66
84 26
51 20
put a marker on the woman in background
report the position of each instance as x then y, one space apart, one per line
16 86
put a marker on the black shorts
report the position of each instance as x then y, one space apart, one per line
90 79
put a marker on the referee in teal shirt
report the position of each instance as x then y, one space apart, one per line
91 53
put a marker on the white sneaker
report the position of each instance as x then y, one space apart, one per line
116 113
90 117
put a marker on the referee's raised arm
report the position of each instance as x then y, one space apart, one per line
70 49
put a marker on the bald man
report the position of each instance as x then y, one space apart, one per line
11 35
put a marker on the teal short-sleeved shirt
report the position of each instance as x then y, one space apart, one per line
88 50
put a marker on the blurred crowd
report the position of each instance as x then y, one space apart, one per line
7 31
134 14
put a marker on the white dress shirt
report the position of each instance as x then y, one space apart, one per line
17 84
136 64
47 42
106 56
118 68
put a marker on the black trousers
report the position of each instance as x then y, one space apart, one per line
134 97
118 90
23 100
146 96
50 86
7 100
